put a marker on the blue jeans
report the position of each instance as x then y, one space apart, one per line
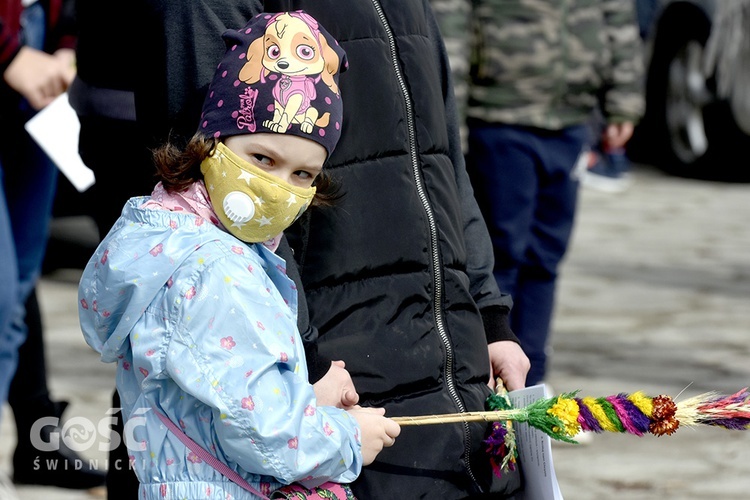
524 185
28 181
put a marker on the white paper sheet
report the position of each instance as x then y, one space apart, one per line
55 128
534 452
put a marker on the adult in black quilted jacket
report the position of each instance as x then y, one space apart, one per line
398 275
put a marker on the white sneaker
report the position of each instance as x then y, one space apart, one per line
606 184
607 173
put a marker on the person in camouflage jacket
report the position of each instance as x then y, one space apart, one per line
539 68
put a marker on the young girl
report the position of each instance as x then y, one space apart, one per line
186 295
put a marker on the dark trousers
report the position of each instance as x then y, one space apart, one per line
122 483
525 184
29 395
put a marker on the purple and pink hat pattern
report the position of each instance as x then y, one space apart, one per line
246 96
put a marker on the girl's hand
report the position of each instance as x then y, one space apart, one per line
336 388
378 432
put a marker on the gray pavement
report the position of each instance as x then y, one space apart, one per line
654 296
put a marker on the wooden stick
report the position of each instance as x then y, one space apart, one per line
449 418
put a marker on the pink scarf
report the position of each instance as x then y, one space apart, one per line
193 200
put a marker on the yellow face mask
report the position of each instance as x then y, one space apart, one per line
253 205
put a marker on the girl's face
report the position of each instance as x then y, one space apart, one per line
293 159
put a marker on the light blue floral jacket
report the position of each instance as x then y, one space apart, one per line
203 328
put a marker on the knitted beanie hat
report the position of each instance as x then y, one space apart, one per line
279 74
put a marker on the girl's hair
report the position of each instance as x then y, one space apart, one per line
178 168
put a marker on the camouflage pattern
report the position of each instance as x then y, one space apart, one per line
548 63
454 18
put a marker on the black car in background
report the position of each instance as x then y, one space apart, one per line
691 127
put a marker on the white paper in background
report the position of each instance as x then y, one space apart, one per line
534 451
55 128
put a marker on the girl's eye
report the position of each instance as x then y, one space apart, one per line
305 52
273 51
304 175
263 160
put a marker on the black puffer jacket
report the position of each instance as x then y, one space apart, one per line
397 272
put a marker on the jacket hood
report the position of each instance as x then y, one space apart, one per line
130 266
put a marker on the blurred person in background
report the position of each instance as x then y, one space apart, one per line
37 61
608 168
539 69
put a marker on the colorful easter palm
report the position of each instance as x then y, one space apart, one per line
563 417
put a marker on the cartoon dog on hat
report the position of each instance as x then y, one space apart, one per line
293 47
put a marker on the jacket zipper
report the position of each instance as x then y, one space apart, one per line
437 275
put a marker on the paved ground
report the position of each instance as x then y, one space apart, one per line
654 296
